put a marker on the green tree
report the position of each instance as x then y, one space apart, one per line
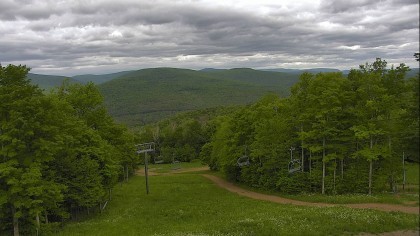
28 143
370 109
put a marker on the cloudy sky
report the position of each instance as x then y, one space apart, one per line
87 36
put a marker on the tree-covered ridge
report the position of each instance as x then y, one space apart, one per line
60 153
149 95
342 134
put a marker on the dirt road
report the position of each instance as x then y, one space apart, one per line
260 196
377 206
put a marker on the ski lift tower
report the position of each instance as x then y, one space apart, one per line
145 148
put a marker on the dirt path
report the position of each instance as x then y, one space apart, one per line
260 196
377 206
394 233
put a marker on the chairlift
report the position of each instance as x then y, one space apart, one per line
294 165
175 164
145 147
158 160
243 160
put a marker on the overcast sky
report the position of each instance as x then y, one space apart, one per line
86 36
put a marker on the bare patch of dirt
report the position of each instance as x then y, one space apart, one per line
395 233
385 207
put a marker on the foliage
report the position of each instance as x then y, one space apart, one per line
347 133
182 137
59 153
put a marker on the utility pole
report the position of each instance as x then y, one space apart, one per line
303 152
145 148
291 153
146 172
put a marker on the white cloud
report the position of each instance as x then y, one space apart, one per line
116 34
73 37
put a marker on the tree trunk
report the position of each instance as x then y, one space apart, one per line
403 159
15 222
323 177
310 162
370 168
126 172
303 152
46 217
335 171
370 177
342 168
37 224
323 166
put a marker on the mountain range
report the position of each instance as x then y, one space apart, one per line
148 95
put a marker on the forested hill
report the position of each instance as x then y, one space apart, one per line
48 82
149 95
99 79
257 77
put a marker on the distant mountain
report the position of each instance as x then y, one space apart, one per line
47 82
99 79
151 94
294 71
413 72
268 79
148 95
300 71
211 70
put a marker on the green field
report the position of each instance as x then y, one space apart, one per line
165 168
189 204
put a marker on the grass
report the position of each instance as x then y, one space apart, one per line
189 204
165 168
402 199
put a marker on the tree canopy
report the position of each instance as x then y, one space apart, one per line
59 153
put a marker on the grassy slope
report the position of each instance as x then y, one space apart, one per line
189 204
151 94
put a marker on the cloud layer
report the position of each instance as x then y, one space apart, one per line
74 37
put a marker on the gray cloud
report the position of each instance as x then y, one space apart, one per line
74 37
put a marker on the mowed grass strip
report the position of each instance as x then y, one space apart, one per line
192 205
169 167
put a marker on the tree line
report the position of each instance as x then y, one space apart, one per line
60 153
334 134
